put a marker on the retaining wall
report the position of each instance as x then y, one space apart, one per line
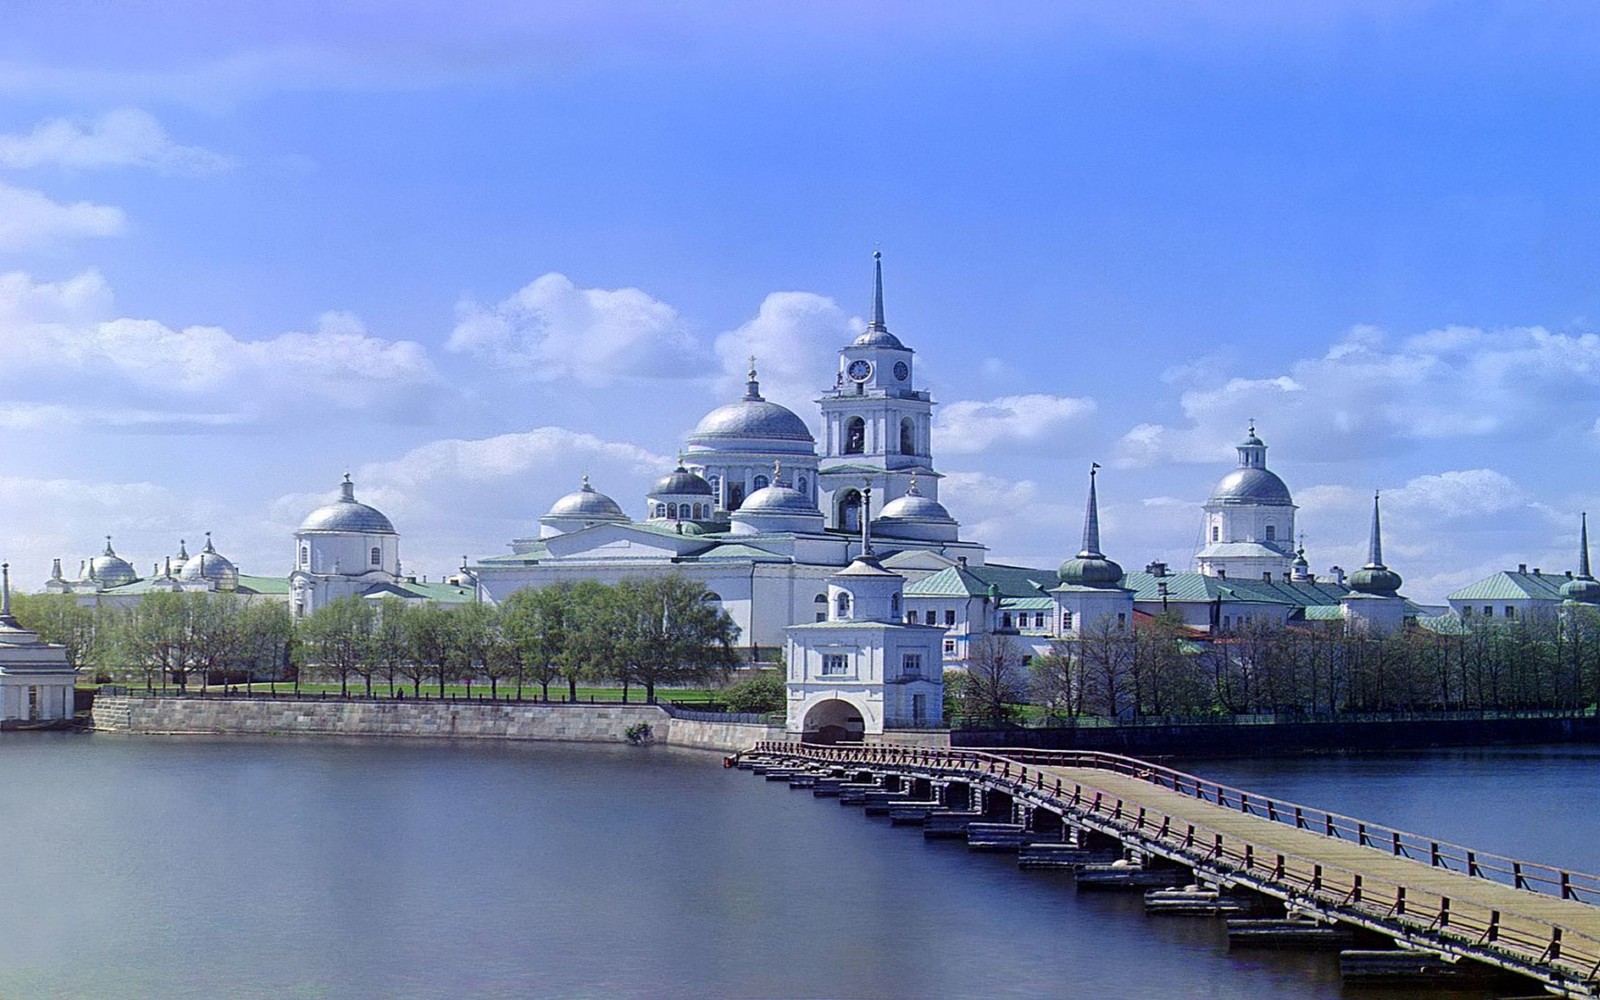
135 713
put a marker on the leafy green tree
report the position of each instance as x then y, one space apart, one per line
482 645
338 640
389 654
59 618
671 634
995 686
433 639
537 622
764 691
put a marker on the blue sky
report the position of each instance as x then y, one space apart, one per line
469 256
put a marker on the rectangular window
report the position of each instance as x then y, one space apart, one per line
949 647
1122 619
1488 611
949 618
1511 612
1066 621
911 665
1038 620
1466 611
833 664
1272 533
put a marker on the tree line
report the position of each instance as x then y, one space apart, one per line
1299 669
637 633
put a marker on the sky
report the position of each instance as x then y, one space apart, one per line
471 255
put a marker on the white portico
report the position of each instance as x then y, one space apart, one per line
36 681
863 670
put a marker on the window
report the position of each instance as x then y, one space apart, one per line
759 483
911 617
1216 533
1122 619
949 647
801 484
377 556
716 487
908 437
820 602
735 495
661 510
1466 611
849 511
1488 611
855 436
844 605
697 512
894 605
305 556
911 665
672 510
1272 532
1066 621
833 664
1038 619
949 617
1511 612
919 708
1005 620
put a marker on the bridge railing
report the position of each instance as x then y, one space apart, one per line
1514 872
1531 940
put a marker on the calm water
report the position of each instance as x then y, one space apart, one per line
158 867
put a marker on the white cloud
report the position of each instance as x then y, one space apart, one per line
972 426
29 219
551 329
57 334
1450 383
127 137
795 338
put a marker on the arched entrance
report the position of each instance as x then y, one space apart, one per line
834 721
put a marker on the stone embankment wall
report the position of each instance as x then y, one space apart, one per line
134 713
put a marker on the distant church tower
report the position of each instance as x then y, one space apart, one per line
1249 520
876 423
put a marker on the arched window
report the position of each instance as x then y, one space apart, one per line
305 556
855 436
672 511
735 496
697 512
801 484
894 605
716 487
377 556
821 603
758 483
661 510
849 516
908 436
843 607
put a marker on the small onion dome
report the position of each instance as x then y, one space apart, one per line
1375 580
680 482
586 504
346 514
1090 571
1300 560
109 569
1581 590
211 565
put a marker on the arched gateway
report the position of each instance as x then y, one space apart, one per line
834 721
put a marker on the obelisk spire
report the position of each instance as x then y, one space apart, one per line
1375 546
1091 521
877 322
1583 550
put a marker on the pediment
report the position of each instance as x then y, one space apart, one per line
622 542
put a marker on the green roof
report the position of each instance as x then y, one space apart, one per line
1509 586
735 550
1442 624
1190 587
974 581
442 593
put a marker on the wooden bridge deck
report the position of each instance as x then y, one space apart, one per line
1520 916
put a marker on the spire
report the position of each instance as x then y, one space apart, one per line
1583 549
1091 521
752 387
209 548
877 324
183 550
347 490
108 546
1375 546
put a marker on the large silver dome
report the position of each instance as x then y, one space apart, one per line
346 514
752 417
1260 486
587 503
778 499
914 506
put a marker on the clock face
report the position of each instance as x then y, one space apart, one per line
901 370
860 370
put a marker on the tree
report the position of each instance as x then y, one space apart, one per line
1107 649
389 655
483 645
1055 680
994 685
433 639
265 638
671 634
338 640
59 618
536 623
763 691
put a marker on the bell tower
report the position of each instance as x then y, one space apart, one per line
876 422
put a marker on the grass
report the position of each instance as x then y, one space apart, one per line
380 690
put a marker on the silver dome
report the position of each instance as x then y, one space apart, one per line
753 418
778 499
915 506
680 482
878 338
1260 486
587 503
109 569
345 514
211 565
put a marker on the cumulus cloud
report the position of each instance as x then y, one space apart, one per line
54 334
794 337
30 220
127 137
1449 383
971 426
551 329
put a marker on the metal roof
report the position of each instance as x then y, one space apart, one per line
1512 586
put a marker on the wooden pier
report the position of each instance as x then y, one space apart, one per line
1448 901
